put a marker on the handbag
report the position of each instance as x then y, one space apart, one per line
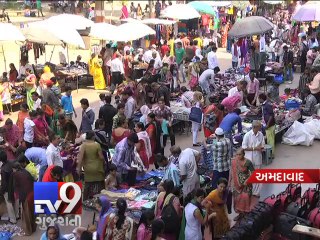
196 115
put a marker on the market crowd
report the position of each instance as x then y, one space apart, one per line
137 117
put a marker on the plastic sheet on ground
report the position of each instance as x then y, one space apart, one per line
313 127
298 134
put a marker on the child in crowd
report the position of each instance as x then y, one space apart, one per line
69 154
29 128
111 182
102 101
144 229
67 104
286 95
36 100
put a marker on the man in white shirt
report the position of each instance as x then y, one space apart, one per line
22 69
212 58
253 145
53 152
206 78
36 100
147 56
157 61
241 85
29 126
188 170
117 72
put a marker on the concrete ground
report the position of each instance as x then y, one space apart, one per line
286 156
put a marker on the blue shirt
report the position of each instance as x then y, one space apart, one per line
37 155
229 121
66 102
172 173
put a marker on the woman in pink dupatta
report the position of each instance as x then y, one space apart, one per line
12 138
143 146
241 170
124 11
232 102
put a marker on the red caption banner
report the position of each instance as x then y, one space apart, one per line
285 176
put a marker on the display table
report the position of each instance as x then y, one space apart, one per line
71 76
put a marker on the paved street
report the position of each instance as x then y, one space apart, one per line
286 156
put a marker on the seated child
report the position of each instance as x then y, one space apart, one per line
102 97
111 182
286 95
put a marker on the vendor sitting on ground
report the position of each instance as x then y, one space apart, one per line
286 95
310 101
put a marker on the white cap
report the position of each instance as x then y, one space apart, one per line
219 132
154 46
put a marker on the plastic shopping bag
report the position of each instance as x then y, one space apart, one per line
297 134
313 127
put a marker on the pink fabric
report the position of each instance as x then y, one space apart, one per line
125 13
253 87
143 233
230 103
41 125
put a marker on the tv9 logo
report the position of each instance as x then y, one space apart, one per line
57 198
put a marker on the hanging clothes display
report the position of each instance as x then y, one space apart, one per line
159 29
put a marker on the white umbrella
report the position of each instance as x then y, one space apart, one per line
273 2
308 12
71 20
41 35
250 26
68 35
132 31
180 12
9 32
218 3
156 21
103 31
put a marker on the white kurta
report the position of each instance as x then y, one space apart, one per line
251 140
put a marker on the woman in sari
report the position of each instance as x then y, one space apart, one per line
12 137
103 206
241 170
30 85
68 128
216 202
143 146
127 64
41 130
95 69
53 232
213 115
22 186
154 131
121 131
163 200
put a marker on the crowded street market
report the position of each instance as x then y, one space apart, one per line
158 114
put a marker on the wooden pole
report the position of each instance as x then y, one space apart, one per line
99 11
